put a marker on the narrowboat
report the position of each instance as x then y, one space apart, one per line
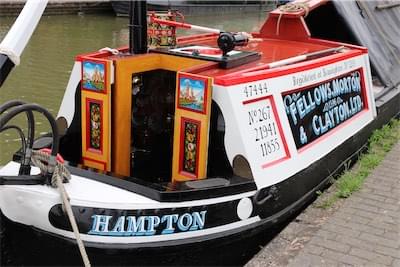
171 150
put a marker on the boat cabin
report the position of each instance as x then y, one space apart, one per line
190 111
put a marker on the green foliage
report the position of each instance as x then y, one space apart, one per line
380 142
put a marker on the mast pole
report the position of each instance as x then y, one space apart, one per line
138 27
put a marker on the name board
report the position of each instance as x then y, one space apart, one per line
315 110
107 225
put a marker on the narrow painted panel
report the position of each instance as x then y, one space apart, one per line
192 118
96 113
94 127
190 149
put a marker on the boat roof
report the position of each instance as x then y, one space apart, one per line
271 50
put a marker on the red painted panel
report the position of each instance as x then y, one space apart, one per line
89 125
182 151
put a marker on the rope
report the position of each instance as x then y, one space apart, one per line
291 8
61 175
111 50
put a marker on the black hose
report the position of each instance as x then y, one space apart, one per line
29 114
20 132
34 107
25 161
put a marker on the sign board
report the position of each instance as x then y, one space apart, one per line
317 109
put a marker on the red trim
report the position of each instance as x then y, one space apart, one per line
182 147
96 161
97 61
94 55
274 162
334 44
193 77
256 99
88 121
278 123
275 110
364 89
250 76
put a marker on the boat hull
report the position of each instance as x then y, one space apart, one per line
216 249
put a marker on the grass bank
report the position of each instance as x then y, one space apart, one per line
381 141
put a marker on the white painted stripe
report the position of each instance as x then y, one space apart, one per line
158 205
159 238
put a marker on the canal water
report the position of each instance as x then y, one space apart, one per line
48 59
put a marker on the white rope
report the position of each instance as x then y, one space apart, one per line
61 175
291 8
111 50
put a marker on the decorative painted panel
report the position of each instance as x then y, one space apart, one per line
192 93
94 75
192 119
96 113
190 140
95 126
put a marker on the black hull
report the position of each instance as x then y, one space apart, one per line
30 246
121 8
231 249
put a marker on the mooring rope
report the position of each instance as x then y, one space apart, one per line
291 8
61 175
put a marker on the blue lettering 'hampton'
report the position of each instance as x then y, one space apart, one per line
147 225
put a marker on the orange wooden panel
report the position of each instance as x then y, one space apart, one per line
122 97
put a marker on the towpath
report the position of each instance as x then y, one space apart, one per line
363 230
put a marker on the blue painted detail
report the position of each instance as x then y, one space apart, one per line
147 225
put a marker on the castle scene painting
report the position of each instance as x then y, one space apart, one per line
191 94
93 74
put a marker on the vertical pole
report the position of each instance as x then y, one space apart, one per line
138 27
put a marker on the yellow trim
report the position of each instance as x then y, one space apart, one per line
122 94
93 164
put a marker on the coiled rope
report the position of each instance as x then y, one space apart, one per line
291 8
61 175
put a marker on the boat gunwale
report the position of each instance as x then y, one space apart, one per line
160 193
